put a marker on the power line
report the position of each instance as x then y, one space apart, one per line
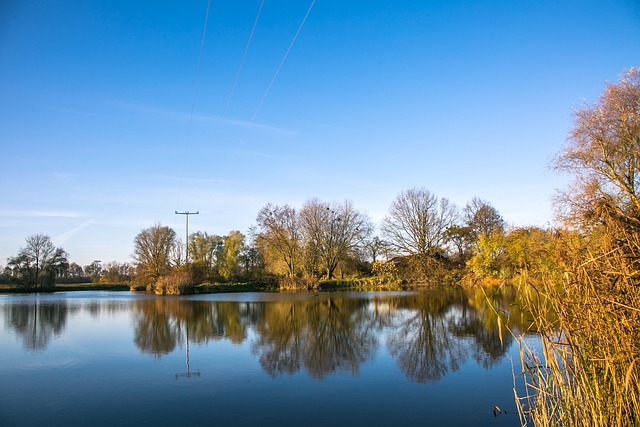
284 58
246 49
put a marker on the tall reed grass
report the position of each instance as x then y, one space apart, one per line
588 372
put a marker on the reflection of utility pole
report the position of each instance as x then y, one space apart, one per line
188 373
187 213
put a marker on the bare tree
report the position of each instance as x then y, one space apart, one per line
178 254
333 232
152 250
417 222
604 154
482 219
375 247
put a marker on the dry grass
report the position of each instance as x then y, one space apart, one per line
588 372
304 283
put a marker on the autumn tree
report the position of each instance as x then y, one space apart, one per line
252 263
152 250
459 238
279 232
229 264
482 219
603 154
596 308
332 232
114 272
204 250
178 254
39 263
481 239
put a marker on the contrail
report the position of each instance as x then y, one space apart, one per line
273 79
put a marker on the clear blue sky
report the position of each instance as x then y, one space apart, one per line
464 98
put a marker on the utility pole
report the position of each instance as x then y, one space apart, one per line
187 213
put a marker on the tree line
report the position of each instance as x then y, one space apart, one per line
40 265
423 238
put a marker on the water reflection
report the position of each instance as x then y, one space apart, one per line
423 344
160 324
323 336
36 323
428 334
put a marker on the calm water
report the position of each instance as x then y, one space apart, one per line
328 359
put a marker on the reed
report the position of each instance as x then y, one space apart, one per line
588 371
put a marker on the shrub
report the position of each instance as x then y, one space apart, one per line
174 283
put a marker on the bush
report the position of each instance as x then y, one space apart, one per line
174 283
386 272
304 283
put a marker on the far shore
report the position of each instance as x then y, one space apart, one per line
211 288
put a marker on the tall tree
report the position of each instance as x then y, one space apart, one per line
230 262
251 261
279 230
417 222
38 263
75 271
482 219
374 247
93 270
333 232
152 250
113 272
604 155
203 251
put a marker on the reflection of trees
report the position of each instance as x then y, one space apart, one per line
324 336
37 322
422 343
487 346
438 331
479 321
159 323
155 331
280 335
429 333
485 318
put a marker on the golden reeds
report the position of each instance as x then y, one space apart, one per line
588 372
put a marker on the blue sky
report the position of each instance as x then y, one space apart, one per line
463 98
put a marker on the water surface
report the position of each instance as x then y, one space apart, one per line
370 359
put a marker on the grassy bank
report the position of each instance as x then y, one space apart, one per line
370 284
12 289
354 284
213 288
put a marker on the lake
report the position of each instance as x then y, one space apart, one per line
430 358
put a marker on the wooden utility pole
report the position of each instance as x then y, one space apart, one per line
186 240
